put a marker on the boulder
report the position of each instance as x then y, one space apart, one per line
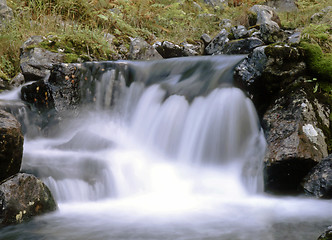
268 21
327 235
217 43
141 50
6 13
241 46
283 5
206 39
268 69
225 24
11 145
169 50
36 63
18 80
318 182
22 197
294 126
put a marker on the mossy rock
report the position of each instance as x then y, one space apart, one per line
319 64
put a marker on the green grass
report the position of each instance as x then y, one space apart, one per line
78 27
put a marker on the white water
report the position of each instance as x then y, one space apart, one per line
164 168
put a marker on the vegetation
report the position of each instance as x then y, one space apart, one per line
79 28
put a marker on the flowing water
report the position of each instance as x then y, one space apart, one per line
176 153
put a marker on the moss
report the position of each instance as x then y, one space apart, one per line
283 51
319 64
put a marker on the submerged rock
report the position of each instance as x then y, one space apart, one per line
11 145
22 197
318 182
296 143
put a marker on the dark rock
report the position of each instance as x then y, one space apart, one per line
283 5
11 145
4 84
6 13
217 43
267 69
318 182
22 197
38 94
141 50
36 63
86 141
240 32
327 235
64 84
293 125
243 46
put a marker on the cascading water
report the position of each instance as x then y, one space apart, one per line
175 154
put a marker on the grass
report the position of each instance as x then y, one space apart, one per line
78 27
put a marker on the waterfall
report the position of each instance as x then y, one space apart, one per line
164 148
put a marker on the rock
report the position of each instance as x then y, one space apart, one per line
267 69
36 63
240 32
169 50
327 235
294 38
243 46
206 39
217 3
269 23
38 94
11 145
6 13
283 5
217 43
141 50
22 197
296 142
324 16
18 80
225 24
318 182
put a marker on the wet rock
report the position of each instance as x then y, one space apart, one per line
11 145
269 23
36 63
6 13
243 46
293 125
217 43
240 32
169 50
267 69
283 5
327 235
324 16
22 197
141 50
318 182
38 94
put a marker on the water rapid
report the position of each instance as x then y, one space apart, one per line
175 153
